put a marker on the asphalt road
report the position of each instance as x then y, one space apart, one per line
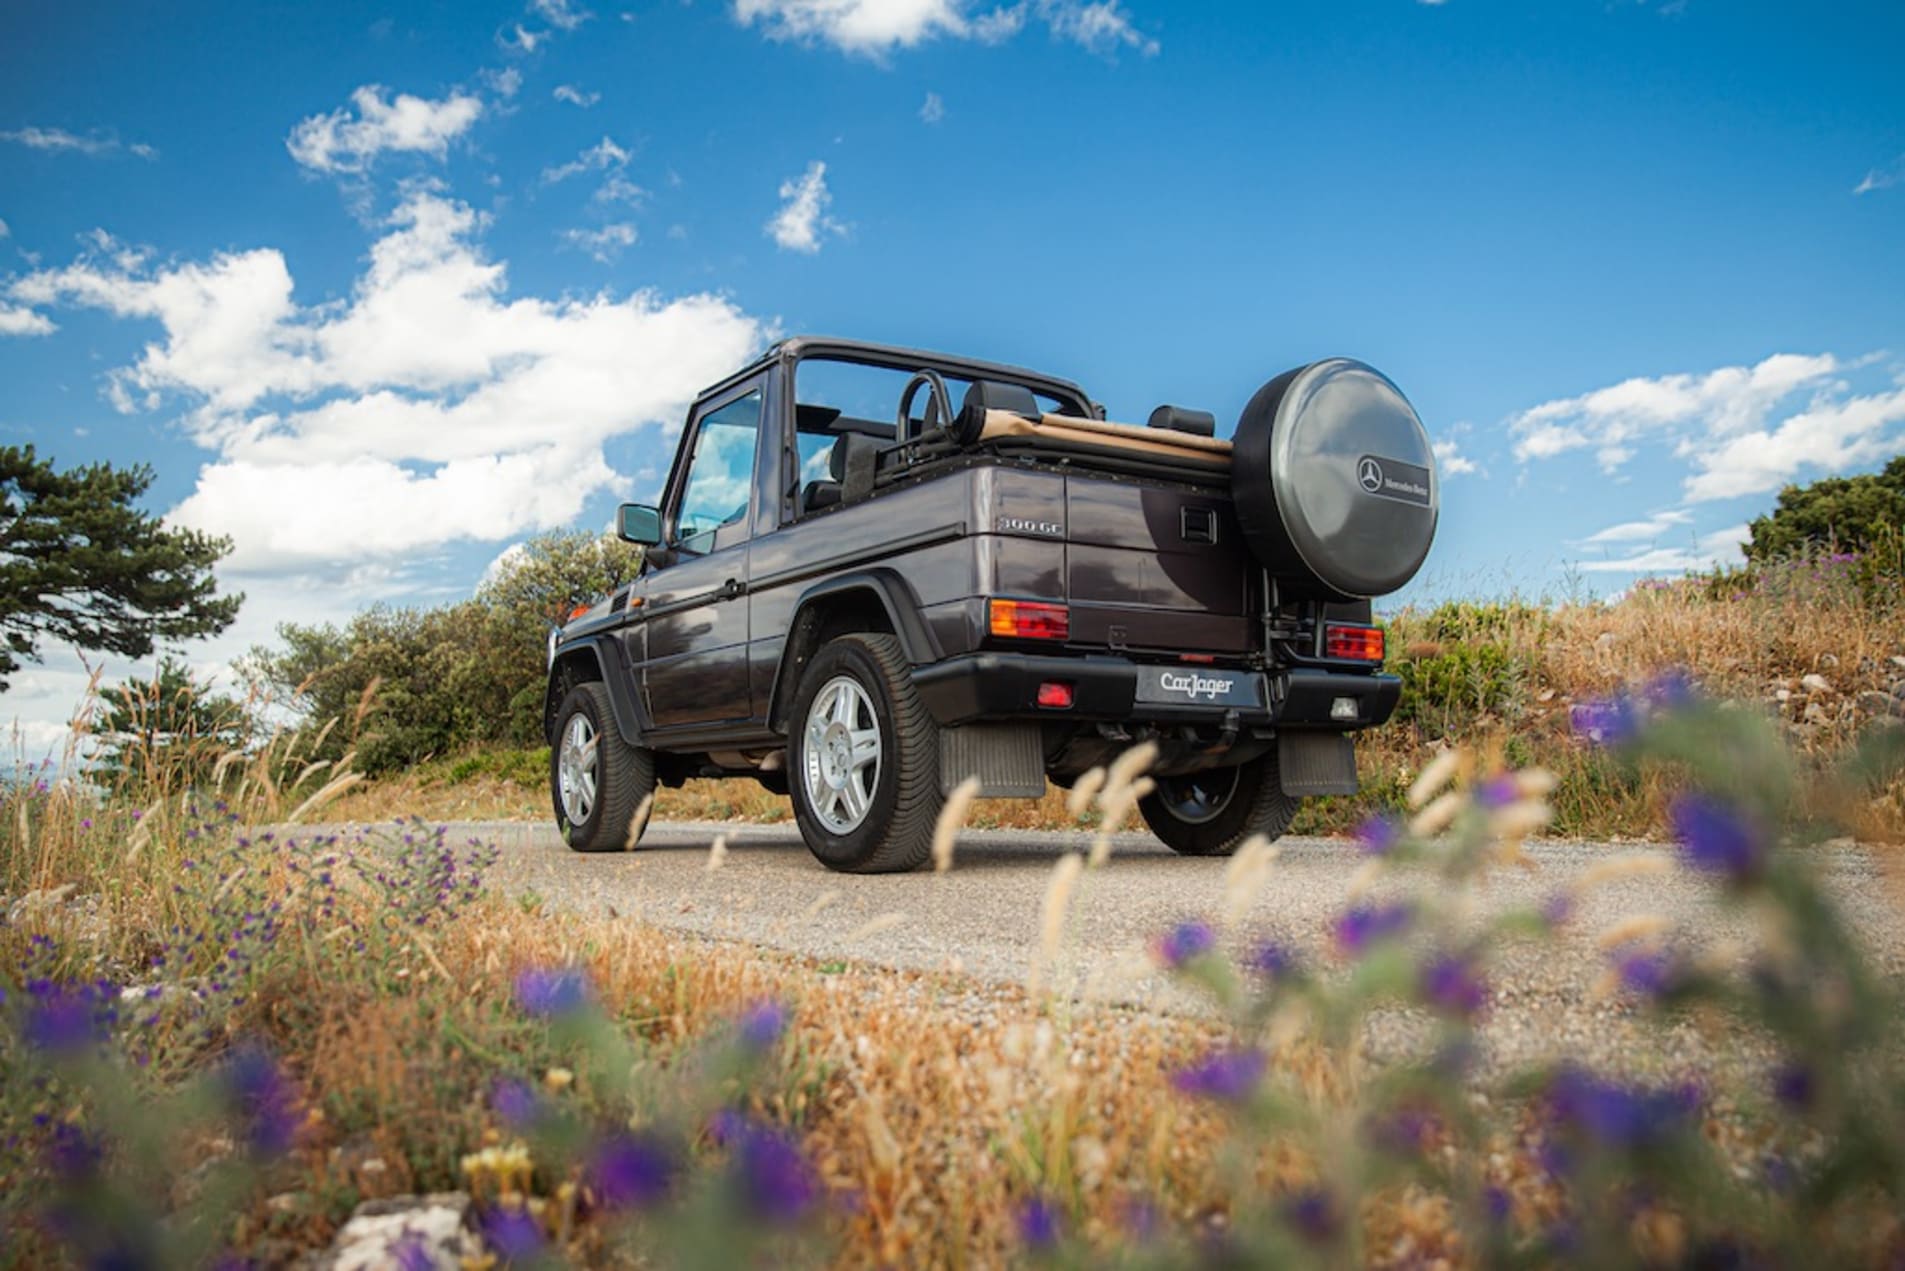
983 918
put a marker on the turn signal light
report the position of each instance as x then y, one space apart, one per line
1357 644
1055 695
1029 620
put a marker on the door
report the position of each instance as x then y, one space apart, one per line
696 608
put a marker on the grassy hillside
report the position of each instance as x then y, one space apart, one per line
1819 647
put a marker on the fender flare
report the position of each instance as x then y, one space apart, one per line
605 656
896 597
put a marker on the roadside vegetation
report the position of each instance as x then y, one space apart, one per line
1816 645
218 1039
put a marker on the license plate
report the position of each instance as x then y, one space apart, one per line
1194 687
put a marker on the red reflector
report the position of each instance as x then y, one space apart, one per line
1202 659
577 612
1360 644
1055 695
1029 620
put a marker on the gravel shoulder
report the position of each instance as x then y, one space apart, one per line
983 920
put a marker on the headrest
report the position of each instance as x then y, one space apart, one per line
985 395
1199 423
851 445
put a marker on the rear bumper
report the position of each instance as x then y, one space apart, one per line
1005 686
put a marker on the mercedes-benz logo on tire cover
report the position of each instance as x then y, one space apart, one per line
1369 475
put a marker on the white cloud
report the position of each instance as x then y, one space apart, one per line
874 28
1883 178
601 156
933 109
59 140
1103 27
1722 547
802 222
429 408
1639 531
619 189
506 82
575 96
1736 428
603 244
19 321
560 14
1829 436
1449 459
5 230
339 143
521 40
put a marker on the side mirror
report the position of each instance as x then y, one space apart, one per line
638 523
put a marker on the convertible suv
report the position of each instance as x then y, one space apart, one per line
877 572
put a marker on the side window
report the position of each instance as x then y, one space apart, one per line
720 474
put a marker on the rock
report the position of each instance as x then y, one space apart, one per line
1815 683
1828 659
1783 695
406 1232
37 902
1881 704
1816 714
1898 661
1898 689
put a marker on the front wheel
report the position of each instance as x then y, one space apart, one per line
597 781
1214 812
863 759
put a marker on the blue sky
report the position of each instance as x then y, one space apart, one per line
380 291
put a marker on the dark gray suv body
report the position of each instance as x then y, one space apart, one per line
863 613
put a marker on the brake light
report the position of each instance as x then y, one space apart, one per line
1356 644
1029 620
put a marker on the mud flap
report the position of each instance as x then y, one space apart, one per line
1316 763
1008 759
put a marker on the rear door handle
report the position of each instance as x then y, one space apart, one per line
730 589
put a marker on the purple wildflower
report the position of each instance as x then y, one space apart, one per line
1378 835
1795 1085
1557 909
552 993
1670 691
515 1103
1184 943
1498 791
1312 1215
1276 962
774 1180
1716 839
263 1099
1229 1076
629 1171
513 1233
1039 1226
1362 926
1617 1116
411 1252
1496 1204
1654 973
1612 721
73 1154
64 1018
1451 984
761 1026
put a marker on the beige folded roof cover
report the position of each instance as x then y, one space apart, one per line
1002 424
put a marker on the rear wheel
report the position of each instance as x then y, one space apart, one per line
1214 812
863 759
596 780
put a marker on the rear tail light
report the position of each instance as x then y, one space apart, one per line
1055 695
1029 620
1355 644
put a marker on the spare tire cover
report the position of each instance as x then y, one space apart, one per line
1334 481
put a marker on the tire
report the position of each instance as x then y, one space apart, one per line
1236 803
858 813
596 793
